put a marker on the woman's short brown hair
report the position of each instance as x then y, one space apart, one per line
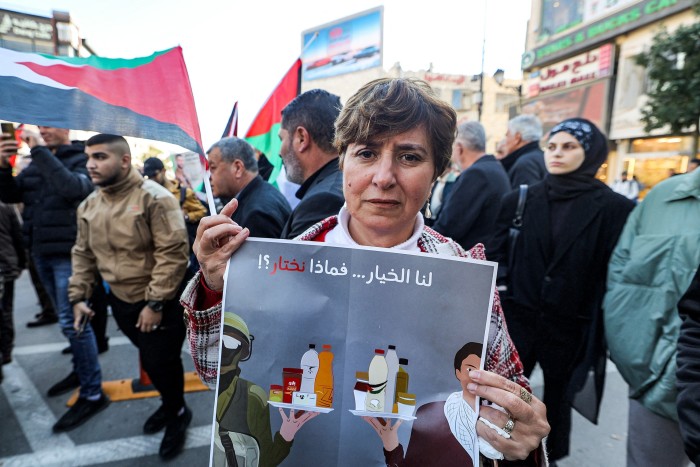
391 106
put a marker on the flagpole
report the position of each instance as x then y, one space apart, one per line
210 195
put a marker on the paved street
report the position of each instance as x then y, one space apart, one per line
115 438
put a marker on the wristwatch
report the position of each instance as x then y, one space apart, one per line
155 305
76 301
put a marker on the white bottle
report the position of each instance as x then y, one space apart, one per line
392 362
309 363
378 372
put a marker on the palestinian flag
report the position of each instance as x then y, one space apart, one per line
148 97
263 133
232 124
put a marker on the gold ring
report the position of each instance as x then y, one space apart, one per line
509 426
525 396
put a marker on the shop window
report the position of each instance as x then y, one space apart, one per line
664 144
649 171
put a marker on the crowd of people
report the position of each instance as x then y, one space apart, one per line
584 272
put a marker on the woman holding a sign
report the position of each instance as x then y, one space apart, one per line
394 138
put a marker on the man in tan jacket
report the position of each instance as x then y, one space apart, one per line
132 232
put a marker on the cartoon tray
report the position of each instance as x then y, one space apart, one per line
307 408
366 413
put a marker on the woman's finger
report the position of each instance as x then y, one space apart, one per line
230 208
503 392
215 237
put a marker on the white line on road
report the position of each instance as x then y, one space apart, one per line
33 415
104 451
57 347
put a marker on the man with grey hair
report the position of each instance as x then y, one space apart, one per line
234 173
524 159
470 211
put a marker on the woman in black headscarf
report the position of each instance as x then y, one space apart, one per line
558 265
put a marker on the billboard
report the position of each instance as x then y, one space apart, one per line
347 45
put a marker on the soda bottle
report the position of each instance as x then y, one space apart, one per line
323 386
309 363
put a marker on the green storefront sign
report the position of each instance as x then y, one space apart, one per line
630 18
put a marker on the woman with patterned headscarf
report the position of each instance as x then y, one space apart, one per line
557 272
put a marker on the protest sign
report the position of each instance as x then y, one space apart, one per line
395 335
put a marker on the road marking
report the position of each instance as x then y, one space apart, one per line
57 347
34 416
104 451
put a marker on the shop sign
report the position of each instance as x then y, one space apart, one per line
625 20
31 27
443 78
589 101
594 64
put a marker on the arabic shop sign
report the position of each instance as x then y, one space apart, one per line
594 64
625 20
31 27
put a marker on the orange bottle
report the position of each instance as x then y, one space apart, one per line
323 386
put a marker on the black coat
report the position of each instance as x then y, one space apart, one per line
321 196
51 188
688 373
262 209
470 211
525 166
562 290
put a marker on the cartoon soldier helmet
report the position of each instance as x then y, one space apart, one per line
236 334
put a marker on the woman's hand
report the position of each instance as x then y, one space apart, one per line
530 418
218 237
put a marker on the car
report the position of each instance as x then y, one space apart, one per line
342 57
367 52
319 63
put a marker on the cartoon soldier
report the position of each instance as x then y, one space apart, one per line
242 414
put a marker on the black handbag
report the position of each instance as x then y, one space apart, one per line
513 234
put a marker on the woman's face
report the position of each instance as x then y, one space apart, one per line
386 182
563 154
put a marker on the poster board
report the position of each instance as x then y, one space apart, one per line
288 295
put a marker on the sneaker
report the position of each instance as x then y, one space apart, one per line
80 413
156 421
43 320
175 433
67 384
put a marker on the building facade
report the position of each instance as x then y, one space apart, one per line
54 35
580 62
463 92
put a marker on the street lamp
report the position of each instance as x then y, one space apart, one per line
499 77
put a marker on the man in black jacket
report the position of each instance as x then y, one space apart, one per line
310 160
688 373
524 161
51 188
470 211
234 173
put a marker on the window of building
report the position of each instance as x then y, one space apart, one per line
44 47
664 144
503 102
19 44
